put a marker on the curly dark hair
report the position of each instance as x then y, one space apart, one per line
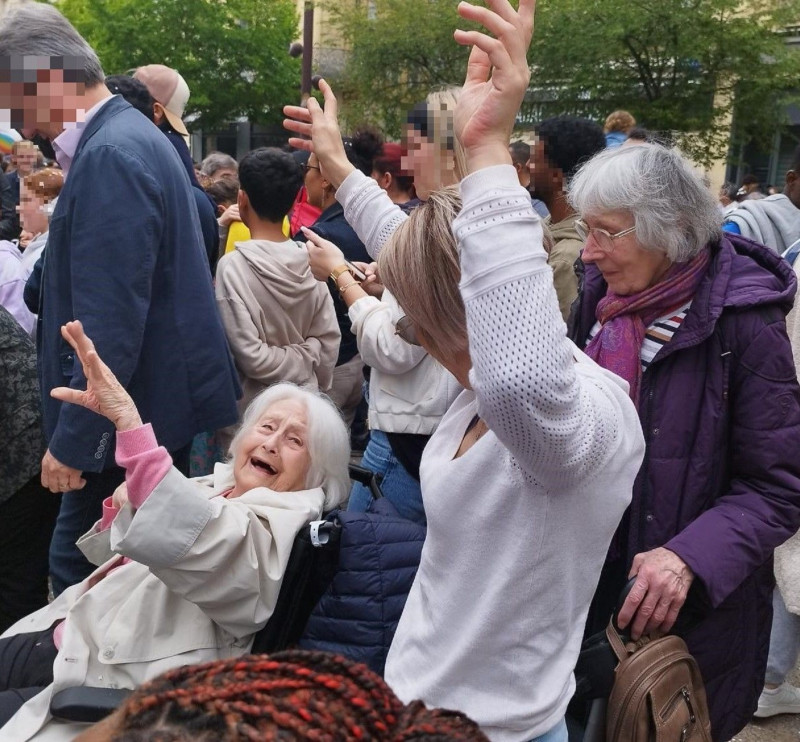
570 141
292 695
363 147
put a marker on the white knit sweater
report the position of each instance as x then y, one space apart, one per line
518 527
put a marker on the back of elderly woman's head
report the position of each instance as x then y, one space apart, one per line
673 210
420 266
328 441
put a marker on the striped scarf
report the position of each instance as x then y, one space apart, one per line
625 319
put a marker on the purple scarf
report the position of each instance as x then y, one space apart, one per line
625 319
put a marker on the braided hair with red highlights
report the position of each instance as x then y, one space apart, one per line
292 695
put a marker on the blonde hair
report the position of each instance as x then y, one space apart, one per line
619 121
420 266
46 184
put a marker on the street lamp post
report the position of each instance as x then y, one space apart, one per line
308 52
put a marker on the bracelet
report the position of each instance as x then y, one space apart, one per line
350 285
338 270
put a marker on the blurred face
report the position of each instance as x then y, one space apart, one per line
627 267
430 167
43 108
792 189
31 216
26 160
544 177
274 452
313 182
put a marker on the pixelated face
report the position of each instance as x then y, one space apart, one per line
25 158
30 210
38 96
544 178
423 158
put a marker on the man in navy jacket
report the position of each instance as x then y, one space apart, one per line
125 256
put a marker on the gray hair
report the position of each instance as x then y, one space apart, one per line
328 439
216 161
33 34
672 208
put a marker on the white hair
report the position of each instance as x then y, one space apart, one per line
672 208
328 440
37 30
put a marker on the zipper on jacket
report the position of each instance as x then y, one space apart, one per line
644 500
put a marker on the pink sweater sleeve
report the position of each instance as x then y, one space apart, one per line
145 462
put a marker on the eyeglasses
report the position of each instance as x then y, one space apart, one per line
405 330
307 167
603 238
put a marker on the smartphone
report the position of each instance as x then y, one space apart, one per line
358 273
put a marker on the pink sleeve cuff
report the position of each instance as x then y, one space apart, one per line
145 462
109 513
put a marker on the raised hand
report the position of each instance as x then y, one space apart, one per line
321 127
104 394
496 81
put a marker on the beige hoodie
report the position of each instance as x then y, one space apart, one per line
280 321
562 257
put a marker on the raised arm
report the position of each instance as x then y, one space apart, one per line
559 418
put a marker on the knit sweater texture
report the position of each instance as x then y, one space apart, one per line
519 525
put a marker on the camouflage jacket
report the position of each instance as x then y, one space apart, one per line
21 438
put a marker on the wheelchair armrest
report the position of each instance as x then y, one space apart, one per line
85 704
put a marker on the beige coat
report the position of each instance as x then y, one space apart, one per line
280 321
565 251
206 577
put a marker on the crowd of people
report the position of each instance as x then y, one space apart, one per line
560 352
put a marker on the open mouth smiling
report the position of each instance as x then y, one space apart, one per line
263 466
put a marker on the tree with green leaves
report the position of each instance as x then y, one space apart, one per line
399 50
681 67
233 54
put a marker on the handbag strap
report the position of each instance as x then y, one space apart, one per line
614 639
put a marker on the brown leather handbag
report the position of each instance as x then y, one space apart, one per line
658 693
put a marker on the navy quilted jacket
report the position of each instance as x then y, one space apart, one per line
378 559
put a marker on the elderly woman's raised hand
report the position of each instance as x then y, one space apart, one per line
322 126
662 583
104 394
496 81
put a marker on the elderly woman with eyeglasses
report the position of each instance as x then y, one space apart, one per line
694 322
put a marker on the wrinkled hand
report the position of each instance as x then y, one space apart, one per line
58 477
323 255
104 394
372 283
662 583
120 497
229 216
321 126
496 81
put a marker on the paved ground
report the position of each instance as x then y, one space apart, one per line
784 728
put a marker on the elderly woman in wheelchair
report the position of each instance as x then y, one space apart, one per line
189 570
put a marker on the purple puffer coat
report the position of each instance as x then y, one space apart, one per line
720 481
